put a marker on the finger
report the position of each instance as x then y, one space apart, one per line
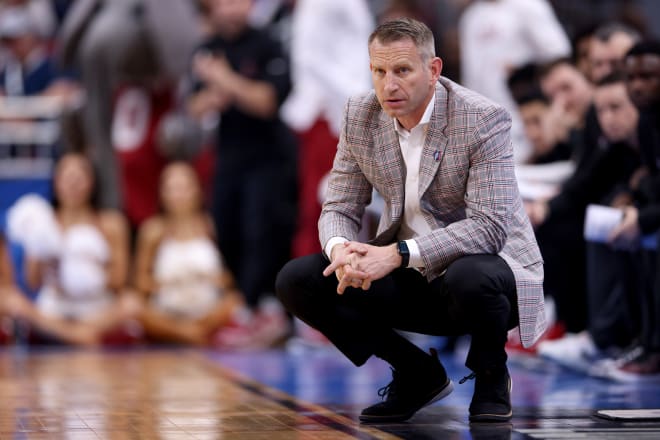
366 284
343 284
330 269
339 273
352 272
355 247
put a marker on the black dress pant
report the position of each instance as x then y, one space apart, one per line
615 282
563 249
253 211
475 296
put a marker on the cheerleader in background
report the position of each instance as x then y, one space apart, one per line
190 294
77 260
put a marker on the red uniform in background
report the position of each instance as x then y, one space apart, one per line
136 117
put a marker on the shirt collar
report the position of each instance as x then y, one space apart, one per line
426 118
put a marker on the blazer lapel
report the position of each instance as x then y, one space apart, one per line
388 155
435 142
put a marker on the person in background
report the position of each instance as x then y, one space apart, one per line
130 55
29 69
580 46
546 138
454 253
322 30
497 36
611 41
642 218
189 291
534 112
243 75
573 119
571 96
77 259
613 276
42 13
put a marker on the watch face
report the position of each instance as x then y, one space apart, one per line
402 248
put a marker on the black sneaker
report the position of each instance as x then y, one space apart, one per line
491 401
407 394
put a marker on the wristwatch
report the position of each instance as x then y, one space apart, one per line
402 249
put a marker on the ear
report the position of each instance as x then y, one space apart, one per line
436 68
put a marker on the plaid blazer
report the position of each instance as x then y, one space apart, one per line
469 195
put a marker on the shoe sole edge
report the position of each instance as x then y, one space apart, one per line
443 392
491 417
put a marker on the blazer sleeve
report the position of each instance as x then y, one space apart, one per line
491 197
349 191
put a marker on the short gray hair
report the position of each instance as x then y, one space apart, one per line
402 28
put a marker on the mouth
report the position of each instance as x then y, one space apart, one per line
394 102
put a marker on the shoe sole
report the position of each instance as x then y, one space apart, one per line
436 395
478 418
491 417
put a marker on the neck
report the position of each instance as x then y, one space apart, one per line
73 214
181 218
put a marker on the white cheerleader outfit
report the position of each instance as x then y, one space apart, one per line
75 286
185 271
77 289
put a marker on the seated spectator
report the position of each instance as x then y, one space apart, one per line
546 143
190 293
642 67
571 96
548 164
560 237
612 276
610 43
42 13
77 259
580 46
29 69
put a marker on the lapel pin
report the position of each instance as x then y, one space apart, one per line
436 155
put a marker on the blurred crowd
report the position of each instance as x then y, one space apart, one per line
160 160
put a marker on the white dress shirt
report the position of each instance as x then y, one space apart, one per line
414 224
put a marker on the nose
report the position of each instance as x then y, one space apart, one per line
391 83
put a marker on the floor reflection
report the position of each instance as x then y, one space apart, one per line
272 395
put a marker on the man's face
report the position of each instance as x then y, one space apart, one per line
21 46
403 81
230 16
582 49
643 79
606 56
533 115
567 85
617 115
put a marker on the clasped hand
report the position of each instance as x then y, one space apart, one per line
358 265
